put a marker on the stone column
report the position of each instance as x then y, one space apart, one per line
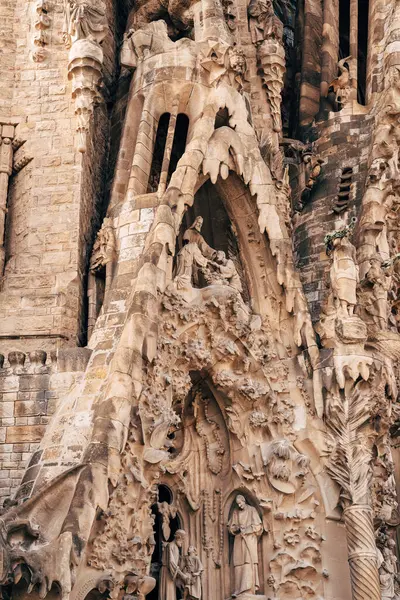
362 552
209 21
354 45
168 147
84 68
6 160
330 45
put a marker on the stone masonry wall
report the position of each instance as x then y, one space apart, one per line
30 386
343 142
53 201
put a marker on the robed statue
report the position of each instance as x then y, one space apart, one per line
246 526
172 575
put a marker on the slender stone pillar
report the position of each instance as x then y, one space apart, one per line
362 552
354 45
330 45
6 160
168 147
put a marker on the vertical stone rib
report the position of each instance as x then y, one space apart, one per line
168 147
354 42
362 553
330 45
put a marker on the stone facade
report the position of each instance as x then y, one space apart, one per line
199 292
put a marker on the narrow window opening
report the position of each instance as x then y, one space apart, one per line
341 202
179 143
363 11
222 118
96 291
158 154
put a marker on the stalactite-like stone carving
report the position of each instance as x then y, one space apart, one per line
267 33
85 27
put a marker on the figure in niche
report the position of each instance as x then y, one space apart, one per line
378 281
246 527
343 274
261 15
215 269
193 235
188 258
387 565
225 272
84 20
167 512
172 575
192 566
104 246
195 253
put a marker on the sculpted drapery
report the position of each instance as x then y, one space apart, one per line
245 524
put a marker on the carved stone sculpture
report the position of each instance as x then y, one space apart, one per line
344 276
188 258
217 395
341 86
192 566
84 20
172 574
245 525
228 272
167 512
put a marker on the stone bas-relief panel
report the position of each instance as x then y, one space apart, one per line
216 441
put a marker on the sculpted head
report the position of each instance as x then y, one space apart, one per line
192 551
179 537
377 169
240 501
197 224
237 60
221 257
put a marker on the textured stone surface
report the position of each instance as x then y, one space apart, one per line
200 335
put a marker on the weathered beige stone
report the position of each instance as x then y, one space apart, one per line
227 430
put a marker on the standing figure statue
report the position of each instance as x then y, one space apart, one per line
192 566
171 574
84 20
246 526
193 236
344 275
188 258
387 565
261 16
195 253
